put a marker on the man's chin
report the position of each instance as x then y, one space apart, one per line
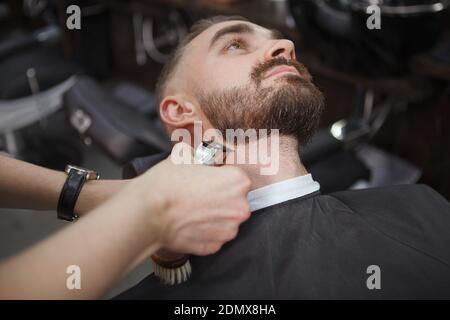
289 84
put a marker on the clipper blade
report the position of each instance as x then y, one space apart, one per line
172 273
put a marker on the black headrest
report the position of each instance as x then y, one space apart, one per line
138 166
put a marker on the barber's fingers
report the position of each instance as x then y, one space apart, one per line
229 232
210 238
208 248
238 176
205 236
236 185
238 213
220 231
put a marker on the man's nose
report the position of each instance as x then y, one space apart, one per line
281 48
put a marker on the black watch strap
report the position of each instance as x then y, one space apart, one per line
69 195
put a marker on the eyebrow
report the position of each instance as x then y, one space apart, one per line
239 28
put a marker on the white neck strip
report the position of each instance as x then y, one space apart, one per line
281 192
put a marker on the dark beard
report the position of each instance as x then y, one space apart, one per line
294 108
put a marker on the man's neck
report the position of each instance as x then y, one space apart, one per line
288 164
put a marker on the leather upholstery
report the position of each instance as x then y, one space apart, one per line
120 130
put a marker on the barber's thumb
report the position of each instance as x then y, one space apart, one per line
182 153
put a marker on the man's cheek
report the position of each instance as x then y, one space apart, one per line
232 75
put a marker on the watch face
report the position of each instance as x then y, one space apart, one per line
90 174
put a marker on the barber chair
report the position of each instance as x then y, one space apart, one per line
121 119
34 77
123 123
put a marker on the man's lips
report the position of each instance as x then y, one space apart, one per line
281 69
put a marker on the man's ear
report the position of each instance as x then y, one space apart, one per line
178 111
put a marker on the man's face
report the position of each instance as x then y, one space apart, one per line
245 76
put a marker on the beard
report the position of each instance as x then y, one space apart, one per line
293 105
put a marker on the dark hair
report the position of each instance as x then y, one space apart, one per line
171 65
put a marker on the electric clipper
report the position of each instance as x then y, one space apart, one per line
174 268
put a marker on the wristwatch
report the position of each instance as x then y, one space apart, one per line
76 177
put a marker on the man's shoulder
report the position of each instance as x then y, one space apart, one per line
410 197
414 215
413 209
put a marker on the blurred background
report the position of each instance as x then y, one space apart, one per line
85 96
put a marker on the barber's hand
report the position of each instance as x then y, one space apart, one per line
202 207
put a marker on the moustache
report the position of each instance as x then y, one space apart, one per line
260 69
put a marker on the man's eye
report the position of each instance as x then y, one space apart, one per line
234 45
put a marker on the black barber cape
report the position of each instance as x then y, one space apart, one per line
328 247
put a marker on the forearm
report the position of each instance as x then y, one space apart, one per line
103 244
27 186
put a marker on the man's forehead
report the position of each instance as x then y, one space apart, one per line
206 36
